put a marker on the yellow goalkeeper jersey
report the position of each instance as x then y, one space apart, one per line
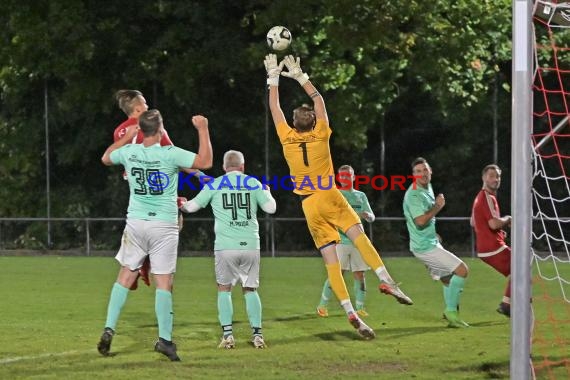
308 157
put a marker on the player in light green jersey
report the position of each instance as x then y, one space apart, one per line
152 218
235 198
348 255
420 208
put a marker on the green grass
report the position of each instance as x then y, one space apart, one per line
53 311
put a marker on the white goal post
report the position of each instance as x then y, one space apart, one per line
521 182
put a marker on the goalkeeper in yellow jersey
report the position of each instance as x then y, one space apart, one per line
307 152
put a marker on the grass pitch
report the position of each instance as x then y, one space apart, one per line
53 311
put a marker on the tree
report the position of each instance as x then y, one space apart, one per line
386 69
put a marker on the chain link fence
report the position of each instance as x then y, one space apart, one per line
280 237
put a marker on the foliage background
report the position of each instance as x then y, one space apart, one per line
400 79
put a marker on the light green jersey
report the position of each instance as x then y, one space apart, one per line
152 173
359 202
234 198
416 203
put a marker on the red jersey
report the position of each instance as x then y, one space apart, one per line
488 242
122 129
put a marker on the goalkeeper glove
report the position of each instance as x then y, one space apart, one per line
273 69
295 71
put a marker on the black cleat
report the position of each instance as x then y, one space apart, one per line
167 348
505 309
104 345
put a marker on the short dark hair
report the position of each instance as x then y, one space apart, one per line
417 161
491 167
150 122
126 100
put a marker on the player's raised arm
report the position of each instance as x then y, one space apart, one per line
295 72
273 71
126 139
164 141
205 155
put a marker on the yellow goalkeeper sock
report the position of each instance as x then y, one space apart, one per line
337 281
368 252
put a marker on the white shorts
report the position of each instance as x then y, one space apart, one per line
439 262
156 239
350 258
233 265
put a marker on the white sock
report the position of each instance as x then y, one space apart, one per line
383 274
347 306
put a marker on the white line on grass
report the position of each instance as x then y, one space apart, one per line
41 356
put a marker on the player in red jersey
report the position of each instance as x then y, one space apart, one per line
133 104
490 237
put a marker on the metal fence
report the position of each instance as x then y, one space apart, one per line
101 236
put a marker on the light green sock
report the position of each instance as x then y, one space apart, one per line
164 313
445 295
253 307
455 287
360 292
326 294
225 308
116 302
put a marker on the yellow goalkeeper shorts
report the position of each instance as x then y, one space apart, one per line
327 212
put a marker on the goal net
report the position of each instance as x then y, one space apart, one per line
550 350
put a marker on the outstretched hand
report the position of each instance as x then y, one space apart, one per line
273 69
295 71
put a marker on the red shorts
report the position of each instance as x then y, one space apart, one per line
501 261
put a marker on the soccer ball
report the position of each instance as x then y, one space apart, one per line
279 38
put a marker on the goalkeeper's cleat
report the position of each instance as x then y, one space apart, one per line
322 311
505 309
227 342
392 289
362 313
258 342
364 331
167 348
104 345
453 319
